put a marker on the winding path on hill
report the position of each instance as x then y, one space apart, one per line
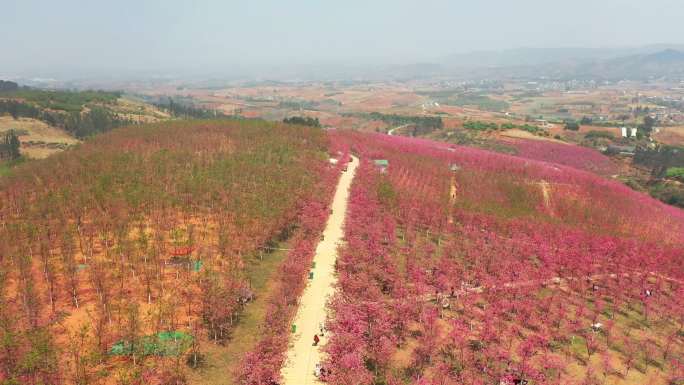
391 132
302 356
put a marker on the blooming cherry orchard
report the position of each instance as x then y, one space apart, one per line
463 266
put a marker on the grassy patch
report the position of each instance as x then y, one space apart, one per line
7 166
578 348
221 361
70 101
5 169
455 98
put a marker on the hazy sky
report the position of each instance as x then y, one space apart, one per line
222 34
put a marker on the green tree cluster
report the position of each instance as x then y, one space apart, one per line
484 126
6 86
10 146
571 125
303 121
187 111
79 123
648 124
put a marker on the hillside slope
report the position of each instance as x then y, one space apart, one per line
78 114
38 139
464 266
144 233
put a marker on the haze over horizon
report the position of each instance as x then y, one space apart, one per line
78 36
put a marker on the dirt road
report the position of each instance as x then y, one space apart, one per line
302 356
391 132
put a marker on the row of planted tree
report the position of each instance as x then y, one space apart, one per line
467 267
262 364
144 231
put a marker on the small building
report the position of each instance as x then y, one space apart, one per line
543 123
381 164
633 133
624 132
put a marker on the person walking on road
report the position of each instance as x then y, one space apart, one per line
316 340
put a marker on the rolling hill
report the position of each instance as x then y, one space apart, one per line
177 252
121 256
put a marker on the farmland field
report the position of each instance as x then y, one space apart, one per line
39 139
671 135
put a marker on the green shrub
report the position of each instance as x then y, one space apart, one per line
303 121
572 125
480 126
675 172
599 134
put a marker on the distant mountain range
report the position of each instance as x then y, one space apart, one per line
636 63
667 63
536 56
640 63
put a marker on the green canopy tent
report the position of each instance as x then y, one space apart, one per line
169 343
